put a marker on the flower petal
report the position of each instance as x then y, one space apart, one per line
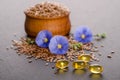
41 36
83 30
53 46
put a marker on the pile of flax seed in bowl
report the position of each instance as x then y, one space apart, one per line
47 10
28 47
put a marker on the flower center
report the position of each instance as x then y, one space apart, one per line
83 36
59 46
45 40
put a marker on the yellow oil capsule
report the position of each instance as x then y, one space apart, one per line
95 68
62 64
79 64
85 57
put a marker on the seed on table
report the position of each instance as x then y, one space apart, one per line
102 45
99 54
28 57
11 46
18 54
22 47
37 57
71 59
15 34
91 53
46 64
95 47
98 39
51 60
93 57
55 72
109 56
29 61
53 67
94 50
112 52
7 48
97 60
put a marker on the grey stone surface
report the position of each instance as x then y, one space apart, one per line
100 15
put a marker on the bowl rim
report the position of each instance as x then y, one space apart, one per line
36 17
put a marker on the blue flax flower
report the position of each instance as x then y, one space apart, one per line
43 38
83 34
58 45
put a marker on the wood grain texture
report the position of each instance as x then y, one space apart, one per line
58 26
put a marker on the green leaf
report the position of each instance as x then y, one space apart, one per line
103 35
98 35
75 47
30 41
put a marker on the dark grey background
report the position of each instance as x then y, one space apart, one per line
99 15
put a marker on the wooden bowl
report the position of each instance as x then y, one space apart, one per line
58 25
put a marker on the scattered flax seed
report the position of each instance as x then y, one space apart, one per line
98 39
14 41
11 46
7 48
93 56
99 54
14 34
46 64
28 57
94 50
95 47
53 67
32 50
91 53
56 72
102 45
96 59
112 52
29 61
109 56
19 54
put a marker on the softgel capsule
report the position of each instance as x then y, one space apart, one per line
95 68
